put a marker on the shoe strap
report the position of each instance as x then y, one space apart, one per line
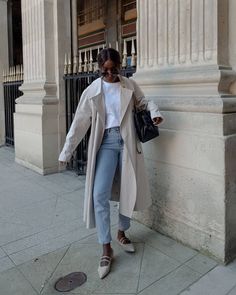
123 239
107 258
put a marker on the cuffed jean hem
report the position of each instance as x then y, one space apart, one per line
124 222
105 241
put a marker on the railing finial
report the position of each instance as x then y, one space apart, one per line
21 73
15 74
85 61
7 74
65 65
124 60
90 61
117 46
75 65
3 76
17 78
10 75
80 63
133 59
69 64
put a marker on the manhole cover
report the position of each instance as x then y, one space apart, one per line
70 281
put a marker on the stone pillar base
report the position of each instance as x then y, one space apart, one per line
36 137
192 172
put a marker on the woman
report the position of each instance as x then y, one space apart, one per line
115 167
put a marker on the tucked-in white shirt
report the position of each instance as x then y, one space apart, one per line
112 94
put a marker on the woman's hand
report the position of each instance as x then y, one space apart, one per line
157 120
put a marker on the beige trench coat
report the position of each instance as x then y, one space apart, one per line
131 189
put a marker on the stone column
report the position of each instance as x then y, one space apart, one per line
74 28
3 63
183 64
232 43
39 112
111 22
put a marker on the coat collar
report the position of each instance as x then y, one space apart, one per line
98 98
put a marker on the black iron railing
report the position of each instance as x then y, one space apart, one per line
11 92
74 86
12 80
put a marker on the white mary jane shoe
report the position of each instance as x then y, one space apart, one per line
128 247
104 270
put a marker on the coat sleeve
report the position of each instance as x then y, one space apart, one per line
143 103
78 129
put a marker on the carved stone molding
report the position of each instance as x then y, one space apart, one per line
177 32
184 42
38 52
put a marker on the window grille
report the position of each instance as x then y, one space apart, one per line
90 10
128 5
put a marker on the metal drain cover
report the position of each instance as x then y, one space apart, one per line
70 281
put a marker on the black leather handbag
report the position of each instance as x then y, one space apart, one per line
145 128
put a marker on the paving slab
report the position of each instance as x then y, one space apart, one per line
173 283
201 263
155 265
50 233
49 245
75 197
39 216
20 194
54 187
12 282
2 253
6 263
162 243
12 231
36 214
219 281
66 182
38 271
9 178
232 291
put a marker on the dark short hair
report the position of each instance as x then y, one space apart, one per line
106 54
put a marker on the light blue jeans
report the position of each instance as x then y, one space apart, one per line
109 157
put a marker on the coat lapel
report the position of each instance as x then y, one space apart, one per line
125 97
98 101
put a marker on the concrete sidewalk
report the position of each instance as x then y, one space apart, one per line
42 237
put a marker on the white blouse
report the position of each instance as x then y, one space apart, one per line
112 92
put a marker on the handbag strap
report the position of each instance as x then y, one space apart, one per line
135 106
138 149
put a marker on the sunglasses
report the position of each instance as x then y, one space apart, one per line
112 72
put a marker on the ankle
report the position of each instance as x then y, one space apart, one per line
107 250
120 233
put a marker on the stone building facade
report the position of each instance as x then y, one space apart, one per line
186 62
